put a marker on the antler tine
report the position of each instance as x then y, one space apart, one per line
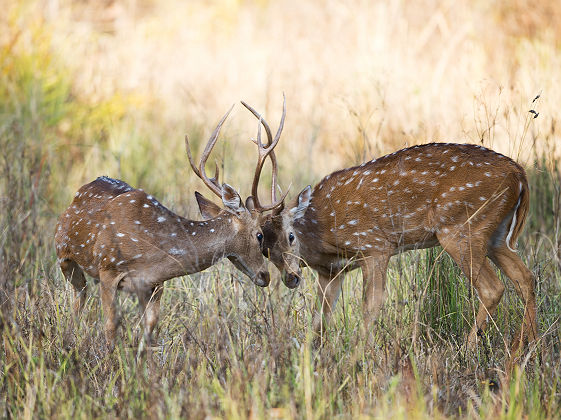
265 151
211 183
273 157
258 116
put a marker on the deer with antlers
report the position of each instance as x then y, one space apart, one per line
126 239
470 200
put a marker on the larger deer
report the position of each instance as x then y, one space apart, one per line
470 200
126 239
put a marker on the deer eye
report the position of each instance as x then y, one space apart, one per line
260 237
291 237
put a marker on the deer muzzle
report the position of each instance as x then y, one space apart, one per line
291 280
262 279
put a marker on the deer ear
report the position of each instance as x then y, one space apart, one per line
249 203
302 203
232 200
207 208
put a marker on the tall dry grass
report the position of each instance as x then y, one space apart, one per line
90 88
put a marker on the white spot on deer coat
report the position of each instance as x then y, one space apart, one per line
161 219
177 251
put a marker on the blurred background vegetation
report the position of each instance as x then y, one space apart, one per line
110 87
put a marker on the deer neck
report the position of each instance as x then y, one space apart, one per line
196 245
309 232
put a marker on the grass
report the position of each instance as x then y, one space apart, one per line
226 349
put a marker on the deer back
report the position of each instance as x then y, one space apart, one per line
111 226
404 200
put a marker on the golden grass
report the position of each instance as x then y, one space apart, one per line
361 78
90 88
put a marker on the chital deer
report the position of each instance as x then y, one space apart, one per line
126 239
470 200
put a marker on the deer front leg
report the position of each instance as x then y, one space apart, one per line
328 292
108 290
74 274
374 270
150 308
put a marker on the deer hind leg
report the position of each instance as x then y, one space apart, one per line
108 291
470 256
75 275
328 292
523 280
149 301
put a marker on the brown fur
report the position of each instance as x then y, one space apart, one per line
462 197
126 239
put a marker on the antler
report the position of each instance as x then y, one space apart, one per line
265 151
211 183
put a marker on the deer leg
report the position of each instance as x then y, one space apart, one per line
470 257
74 274
523 280
490 291
374 271
328 292
150 306
108 290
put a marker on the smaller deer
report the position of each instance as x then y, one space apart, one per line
125 239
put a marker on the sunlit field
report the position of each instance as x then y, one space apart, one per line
91 88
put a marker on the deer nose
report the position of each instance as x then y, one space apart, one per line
262 279
291 280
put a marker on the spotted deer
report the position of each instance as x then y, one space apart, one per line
470 200
125 239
